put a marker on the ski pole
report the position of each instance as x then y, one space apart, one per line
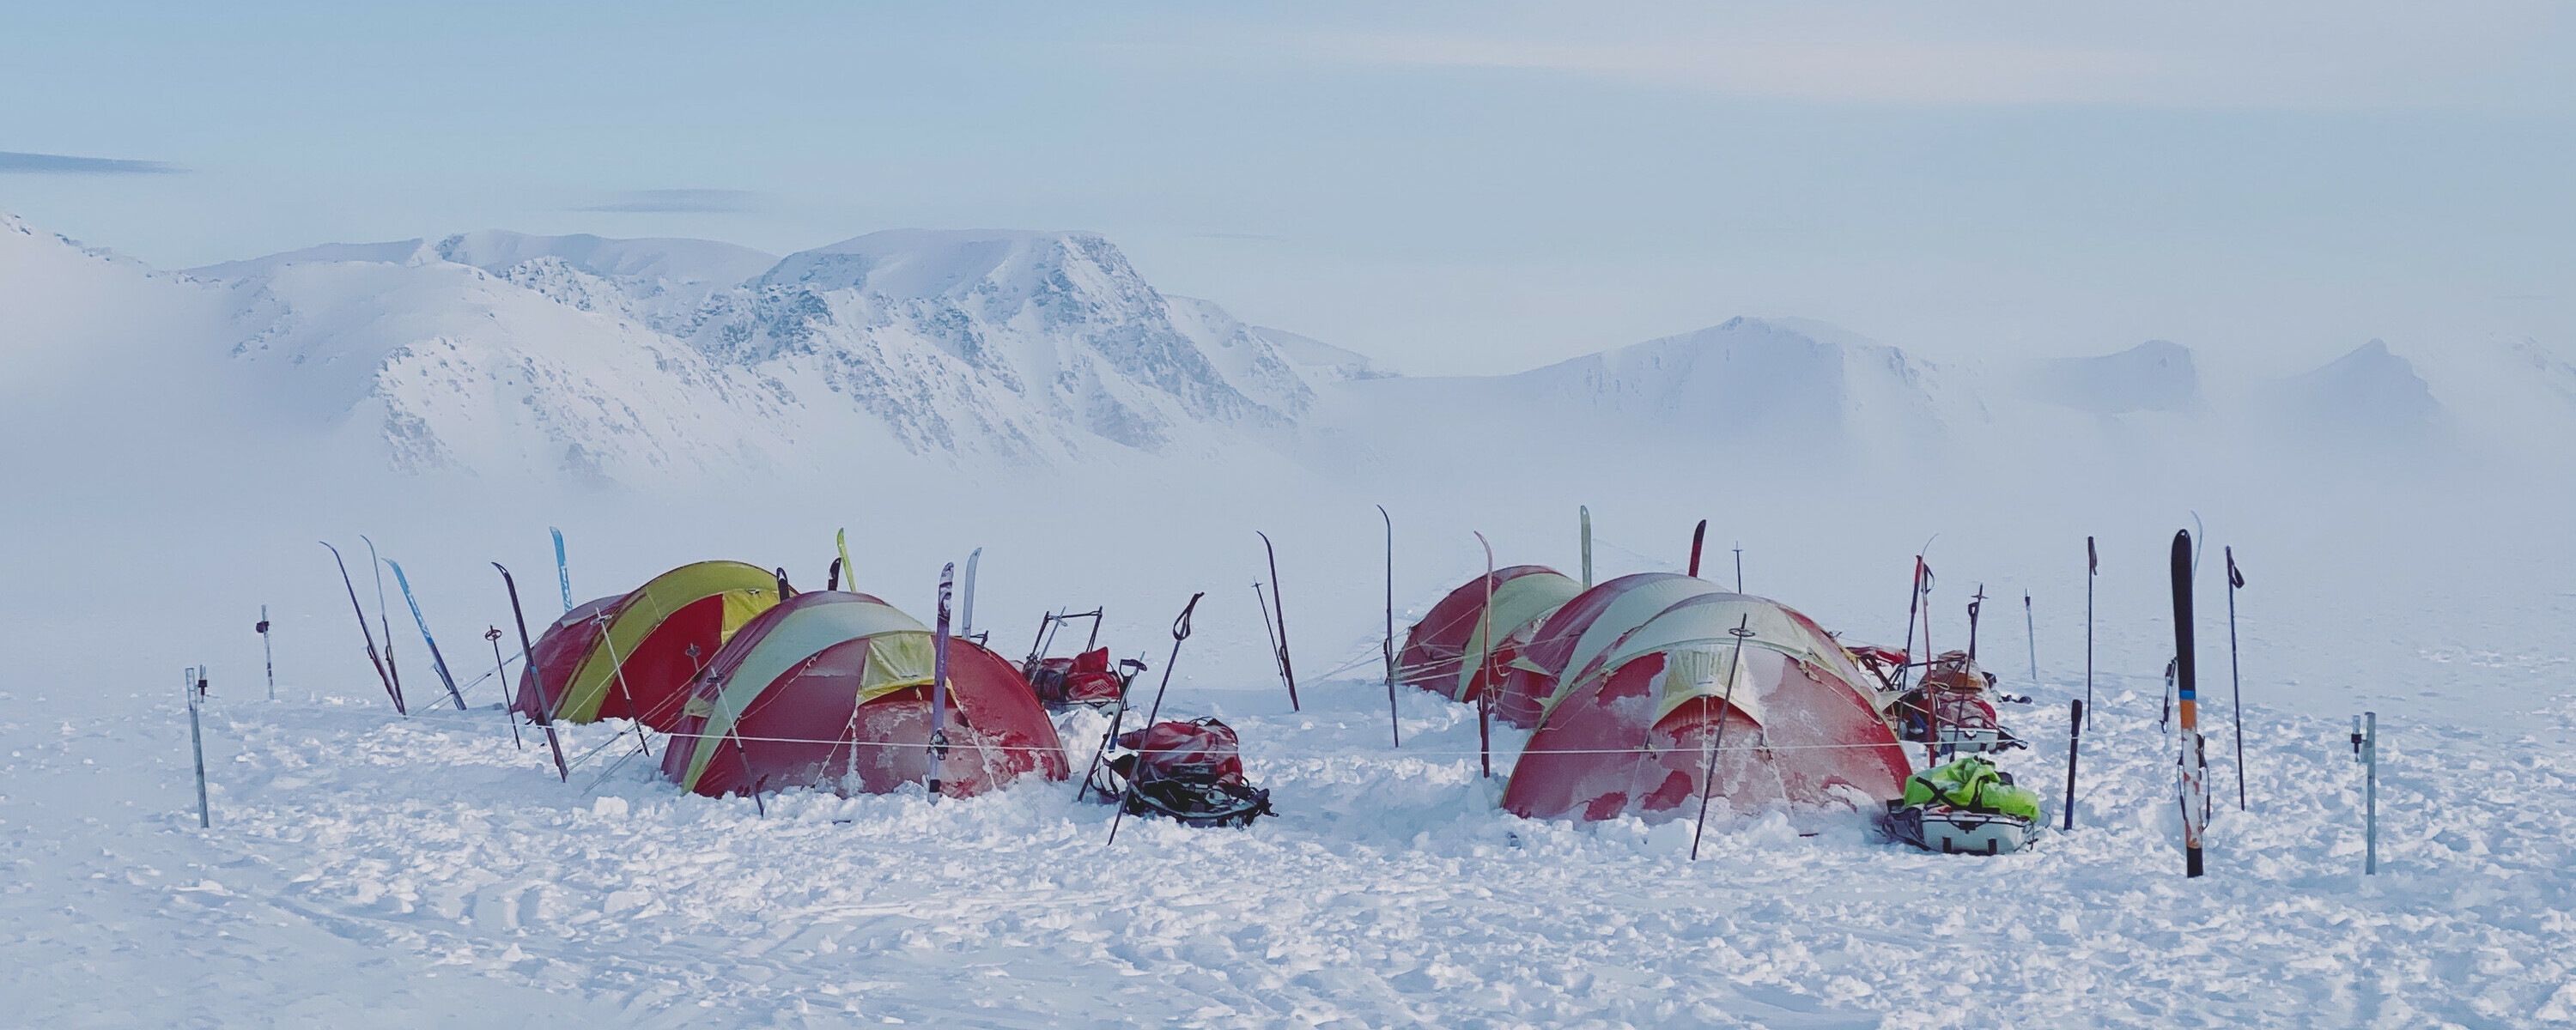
2074 743
364 631
1394 722
2092 569
1726 707
1180 632
192 683
501 680
2236 680
528 660
1913 597
939 684
1698 536
1279 611
266 653
1975 603
1739 567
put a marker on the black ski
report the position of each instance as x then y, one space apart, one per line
2195 786
528 658
1279 611
1394 723
938 684
363 630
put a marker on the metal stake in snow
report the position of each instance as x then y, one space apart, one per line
1394 723
2074 743
1279 611
1698 536
2092 569
1485 665
267 654
363 631
384 617
2365 750
2235 580
1726 706
437 661
1180 632
1586 513
2030 633
563 569
2195 764
528 660
939 683
966 618
501 679
192 683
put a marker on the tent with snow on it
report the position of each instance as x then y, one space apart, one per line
637 656
1456 648
1629 728
831 689
1577 630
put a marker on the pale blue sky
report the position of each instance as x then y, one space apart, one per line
1452 187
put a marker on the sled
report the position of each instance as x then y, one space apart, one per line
1951 830
1188 772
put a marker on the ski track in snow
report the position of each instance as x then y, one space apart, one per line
425 872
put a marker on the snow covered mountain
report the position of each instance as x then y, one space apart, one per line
1776 392
650 360
2157 375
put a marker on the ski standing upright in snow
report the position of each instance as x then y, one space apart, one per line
366 632
1279 611
563 569
528 660
939 683
2195 764
437 662
384 617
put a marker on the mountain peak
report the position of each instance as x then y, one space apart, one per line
2157 375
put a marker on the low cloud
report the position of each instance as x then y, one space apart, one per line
64 164
679 200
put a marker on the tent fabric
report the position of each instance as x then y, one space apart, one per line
1632 725
831 689
652 644
1580 630
1447 652
558 652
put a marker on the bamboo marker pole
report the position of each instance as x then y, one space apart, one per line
192 684
1585 513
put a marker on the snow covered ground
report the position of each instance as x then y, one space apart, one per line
427 872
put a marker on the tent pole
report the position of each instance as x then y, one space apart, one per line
1708 779
1394 722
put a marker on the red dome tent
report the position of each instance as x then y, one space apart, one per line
635 657
1579 629
1647 681
1447 652
832 689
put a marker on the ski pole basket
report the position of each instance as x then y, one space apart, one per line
1189 772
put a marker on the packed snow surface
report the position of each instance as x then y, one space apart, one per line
402 871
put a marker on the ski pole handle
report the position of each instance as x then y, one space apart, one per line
1181 626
